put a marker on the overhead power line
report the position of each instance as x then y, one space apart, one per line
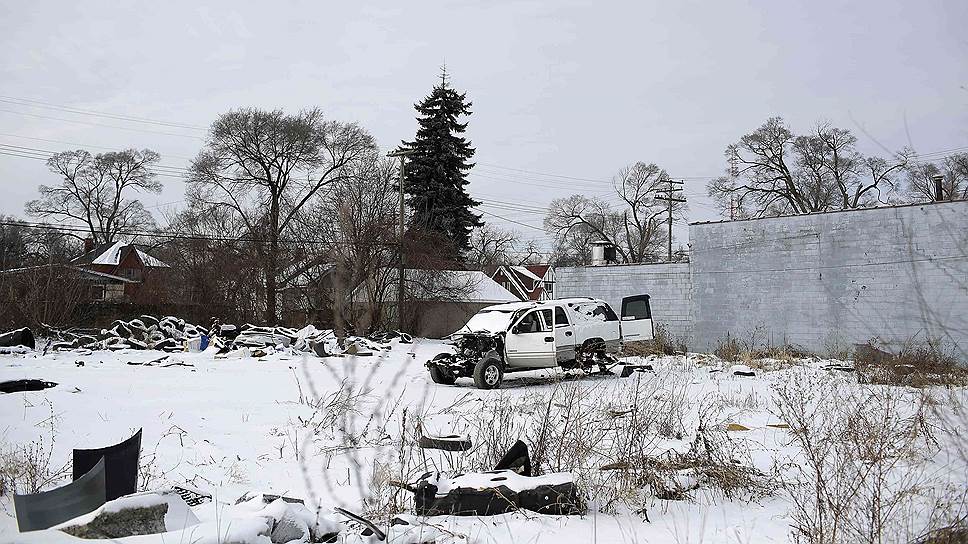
101 125
85 146
74 229
59 107
512 221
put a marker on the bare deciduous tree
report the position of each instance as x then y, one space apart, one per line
954 184
13 243
265 166
96 190
358 216
644 216
634 226
776 172
210 272
491 245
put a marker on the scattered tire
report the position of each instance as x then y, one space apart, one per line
488 373
446 443
440 375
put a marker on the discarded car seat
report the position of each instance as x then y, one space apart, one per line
19 386
48 508
19 337
516 459
497 492
121 465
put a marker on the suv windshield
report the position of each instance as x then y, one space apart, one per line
488 321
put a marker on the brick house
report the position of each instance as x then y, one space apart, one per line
122 272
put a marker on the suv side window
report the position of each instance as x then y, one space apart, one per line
531 322
636 308
546 313
608 312
561 318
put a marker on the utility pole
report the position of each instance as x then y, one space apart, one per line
733 160
669 196
402 153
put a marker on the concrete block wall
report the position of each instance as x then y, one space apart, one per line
667 285
834 279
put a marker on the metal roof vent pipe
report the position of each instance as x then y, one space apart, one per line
603 253
938 187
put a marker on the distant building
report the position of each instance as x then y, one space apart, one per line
437 302
121 272
527 282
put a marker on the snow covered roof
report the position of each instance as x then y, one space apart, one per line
149 260
451 285
481 288
70 268
523 270
111 254
528 282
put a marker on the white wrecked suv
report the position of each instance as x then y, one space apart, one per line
571 333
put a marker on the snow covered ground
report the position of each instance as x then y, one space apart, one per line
330 431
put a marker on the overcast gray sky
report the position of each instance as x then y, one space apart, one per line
573 89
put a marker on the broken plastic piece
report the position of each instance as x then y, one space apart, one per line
46 509
121 465
516 459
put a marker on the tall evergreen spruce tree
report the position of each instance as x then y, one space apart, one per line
436 175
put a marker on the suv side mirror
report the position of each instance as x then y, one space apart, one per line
516 329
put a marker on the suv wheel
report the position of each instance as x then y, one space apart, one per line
488 374
441 375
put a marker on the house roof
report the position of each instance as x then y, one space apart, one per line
527 281
539 270
69 268
452 286
524 271
112 253
483 289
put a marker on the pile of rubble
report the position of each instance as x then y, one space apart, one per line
145 332
173 334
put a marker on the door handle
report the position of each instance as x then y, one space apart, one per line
549 338
567 333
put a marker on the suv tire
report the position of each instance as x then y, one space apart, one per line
439 375
488 373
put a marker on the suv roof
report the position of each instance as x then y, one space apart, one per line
514 306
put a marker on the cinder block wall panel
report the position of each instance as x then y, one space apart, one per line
668 286
834 279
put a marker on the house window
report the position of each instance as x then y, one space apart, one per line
97 292
114 291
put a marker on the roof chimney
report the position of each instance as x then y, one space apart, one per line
603 252
88 244
938 187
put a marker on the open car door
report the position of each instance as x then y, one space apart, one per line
637 319
531 341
